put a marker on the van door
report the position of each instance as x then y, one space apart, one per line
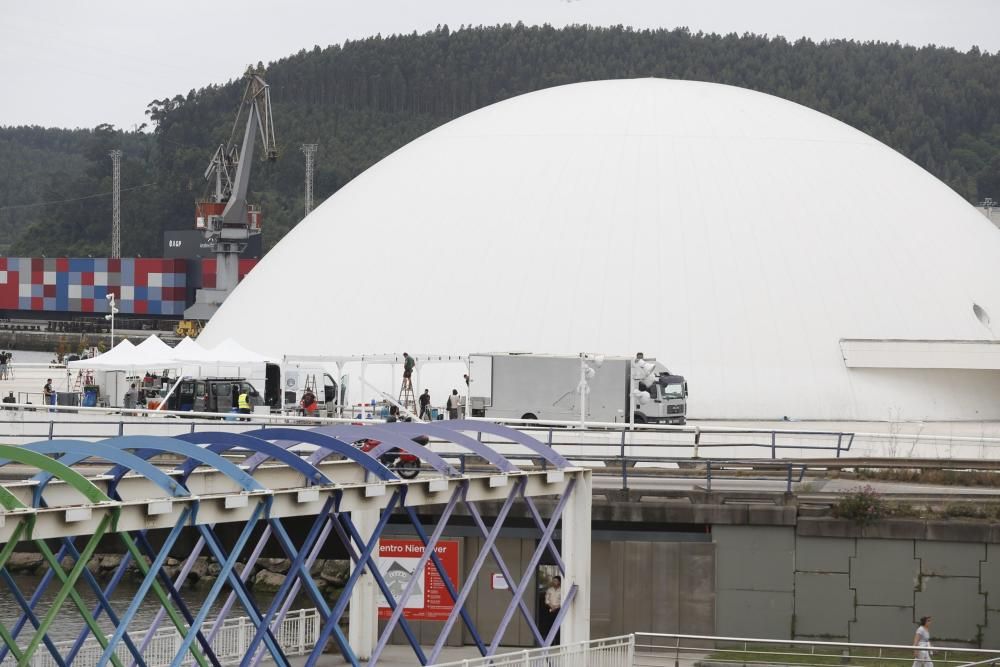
272 386
183 398
222 397
329 391
200 391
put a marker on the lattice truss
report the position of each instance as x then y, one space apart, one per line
67 515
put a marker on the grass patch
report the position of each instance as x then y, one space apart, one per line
832 655
986 478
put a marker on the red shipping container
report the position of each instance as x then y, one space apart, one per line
9 290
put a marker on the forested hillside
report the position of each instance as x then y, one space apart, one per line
365 99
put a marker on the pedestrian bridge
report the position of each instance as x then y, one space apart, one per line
65 498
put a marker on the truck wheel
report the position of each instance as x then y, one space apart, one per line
528 415
639 418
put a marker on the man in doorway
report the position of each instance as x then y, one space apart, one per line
425 405
552 603
553 595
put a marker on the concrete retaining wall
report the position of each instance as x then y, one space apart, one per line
775 581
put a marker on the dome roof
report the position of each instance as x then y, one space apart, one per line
735 236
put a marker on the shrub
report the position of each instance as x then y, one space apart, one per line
863 506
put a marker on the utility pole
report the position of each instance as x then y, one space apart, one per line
309 150
116 205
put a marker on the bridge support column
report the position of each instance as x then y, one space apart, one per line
363 620
576 540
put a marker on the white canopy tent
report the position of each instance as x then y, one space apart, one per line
120 357
231 353
188 357
154 353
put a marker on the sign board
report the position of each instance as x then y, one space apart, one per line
429 600
498 582
191 244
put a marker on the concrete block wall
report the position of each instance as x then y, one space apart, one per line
772 582
754 580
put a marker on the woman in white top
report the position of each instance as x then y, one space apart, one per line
922 639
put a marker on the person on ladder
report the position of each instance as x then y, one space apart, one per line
408 364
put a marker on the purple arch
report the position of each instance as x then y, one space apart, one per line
508 433
460 439
388 438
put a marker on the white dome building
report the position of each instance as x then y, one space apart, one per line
782 261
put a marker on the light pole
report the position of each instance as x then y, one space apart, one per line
111 315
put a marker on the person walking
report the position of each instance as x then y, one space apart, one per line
47 393
454 401
922 640
425 405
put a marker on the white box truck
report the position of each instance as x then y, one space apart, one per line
541 386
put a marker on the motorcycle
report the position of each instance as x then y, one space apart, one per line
403 463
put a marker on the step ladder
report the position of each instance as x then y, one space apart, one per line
82 379
406 398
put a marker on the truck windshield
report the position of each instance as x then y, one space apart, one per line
673 391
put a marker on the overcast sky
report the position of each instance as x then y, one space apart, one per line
69 63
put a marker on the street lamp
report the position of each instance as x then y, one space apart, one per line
111 315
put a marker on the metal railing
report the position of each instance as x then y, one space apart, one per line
649 649
711 651
610 652
297 636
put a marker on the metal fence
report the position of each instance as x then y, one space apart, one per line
297 636
653 649
610 652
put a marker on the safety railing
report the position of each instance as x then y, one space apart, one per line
297 636
709 651
700 441
610 652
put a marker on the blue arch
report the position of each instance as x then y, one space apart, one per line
220 442
75 449
513 435
332 444
151 445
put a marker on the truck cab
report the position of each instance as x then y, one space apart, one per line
668 402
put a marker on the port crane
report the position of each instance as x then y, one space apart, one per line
225 218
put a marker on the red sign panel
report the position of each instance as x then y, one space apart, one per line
429 599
